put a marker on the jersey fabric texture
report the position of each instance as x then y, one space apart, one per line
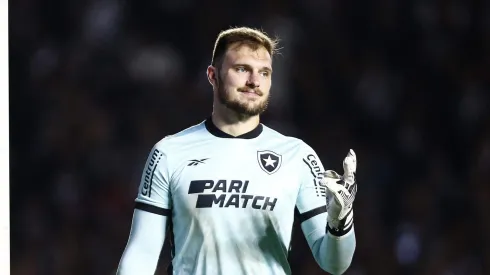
231 201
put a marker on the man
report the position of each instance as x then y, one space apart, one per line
229 185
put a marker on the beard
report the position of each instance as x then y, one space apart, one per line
242 108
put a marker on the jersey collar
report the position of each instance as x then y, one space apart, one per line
218 133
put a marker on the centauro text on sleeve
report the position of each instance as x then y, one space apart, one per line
154 191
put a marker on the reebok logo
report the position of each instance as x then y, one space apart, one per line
195 162
228 193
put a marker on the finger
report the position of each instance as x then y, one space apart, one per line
350 164
331 174
334 187
335 193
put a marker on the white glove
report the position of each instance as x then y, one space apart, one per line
341 192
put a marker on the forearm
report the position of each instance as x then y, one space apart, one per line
137 261
144 245
334 254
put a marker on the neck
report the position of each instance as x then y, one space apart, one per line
232 123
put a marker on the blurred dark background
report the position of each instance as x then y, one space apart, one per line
94 84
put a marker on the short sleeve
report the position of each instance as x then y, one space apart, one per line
154 189
311 199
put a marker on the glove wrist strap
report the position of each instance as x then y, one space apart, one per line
344 226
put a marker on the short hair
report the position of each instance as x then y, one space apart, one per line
253 38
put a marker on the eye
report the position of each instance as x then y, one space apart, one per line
240 69
265 73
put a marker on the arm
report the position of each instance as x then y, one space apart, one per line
152 211
144 244
333 249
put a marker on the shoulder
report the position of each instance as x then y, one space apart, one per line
182 138
279 138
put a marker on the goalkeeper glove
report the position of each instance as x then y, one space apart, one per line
341 192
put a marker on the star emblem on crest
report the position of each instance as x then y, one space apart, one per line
269 161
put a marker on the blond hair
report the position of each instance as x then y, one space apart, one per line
242 36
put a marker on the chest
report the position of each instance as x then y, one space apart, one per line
236 177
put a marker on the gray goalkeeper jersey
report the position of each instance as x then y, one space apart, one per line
231 200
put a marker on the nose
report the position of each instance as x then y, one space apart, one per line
253 80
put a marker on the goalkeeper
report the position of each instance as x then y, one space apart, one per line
224 191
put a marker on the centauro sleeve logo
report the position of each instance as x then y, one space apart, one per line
316 171
149 172
269 161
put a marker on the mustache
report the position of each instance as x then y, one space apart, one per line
246 89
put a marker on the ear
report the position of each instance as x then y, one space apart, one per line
212 72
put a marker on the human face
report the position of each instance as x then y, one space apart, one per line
244 80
